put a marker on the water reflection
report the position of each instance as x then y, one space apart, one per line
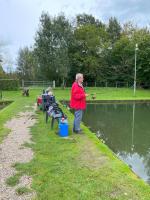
133 121
126 130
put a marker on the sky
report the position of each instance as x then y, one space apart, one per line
19 19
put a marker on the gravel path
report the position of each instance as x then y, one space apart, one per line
12 151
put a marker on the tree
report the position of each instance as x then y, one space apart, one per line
2 73
102 52
85 19
129 29
123 60
142 37
87 49
51 46
27 66
114 29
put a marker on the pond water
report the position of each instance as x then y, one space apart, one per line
3 104
125 128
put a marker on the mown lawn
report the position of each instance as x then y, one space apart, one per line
80 167
108 93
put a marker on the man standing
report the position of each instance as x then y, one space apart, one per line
78 101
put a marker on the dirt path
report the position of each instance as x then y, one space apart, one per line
12 151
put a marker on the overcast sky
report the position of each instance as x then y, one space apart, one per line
19 19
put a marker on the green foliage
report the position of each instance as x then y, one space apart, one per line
85 19
1 69
9 84
86 56
114 29
51 46
2 73
122 60
27 64
143 57
102 52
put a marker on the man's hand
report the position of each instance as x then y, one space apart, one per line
86 95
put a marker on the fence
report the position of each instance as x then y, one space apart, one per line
35 84
105 84
116 84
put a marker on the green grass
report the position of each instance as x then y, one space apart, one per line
22 190
68 168
108 93
78 168
13 180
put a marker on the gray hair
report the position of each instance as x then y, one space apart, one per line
79 75
49 89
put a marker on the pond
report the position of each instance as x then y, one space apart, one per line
125 128
3 104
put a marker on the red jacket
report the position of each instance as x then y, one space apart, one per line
78 99
39 100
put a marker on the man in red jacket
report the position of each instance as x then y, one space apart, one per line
78 101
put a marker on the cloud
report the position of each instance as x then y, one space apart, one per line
19 19
124 10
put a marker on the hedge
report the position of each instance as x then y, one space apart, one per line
9 84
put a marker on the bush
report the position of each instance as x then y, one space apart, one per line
9 84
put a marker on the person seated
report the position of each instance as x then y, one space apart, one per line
25 92
47 99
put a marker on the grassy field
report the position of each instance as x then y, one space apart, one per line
108 93
80 167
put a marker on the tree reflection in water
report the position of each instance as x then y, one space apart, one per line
126 130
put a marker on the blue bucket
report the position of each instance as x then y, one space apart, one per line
63 129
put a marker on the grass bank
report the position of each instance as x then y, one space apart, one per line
80 167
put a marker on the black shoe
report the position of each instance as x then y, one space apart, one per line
78 132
